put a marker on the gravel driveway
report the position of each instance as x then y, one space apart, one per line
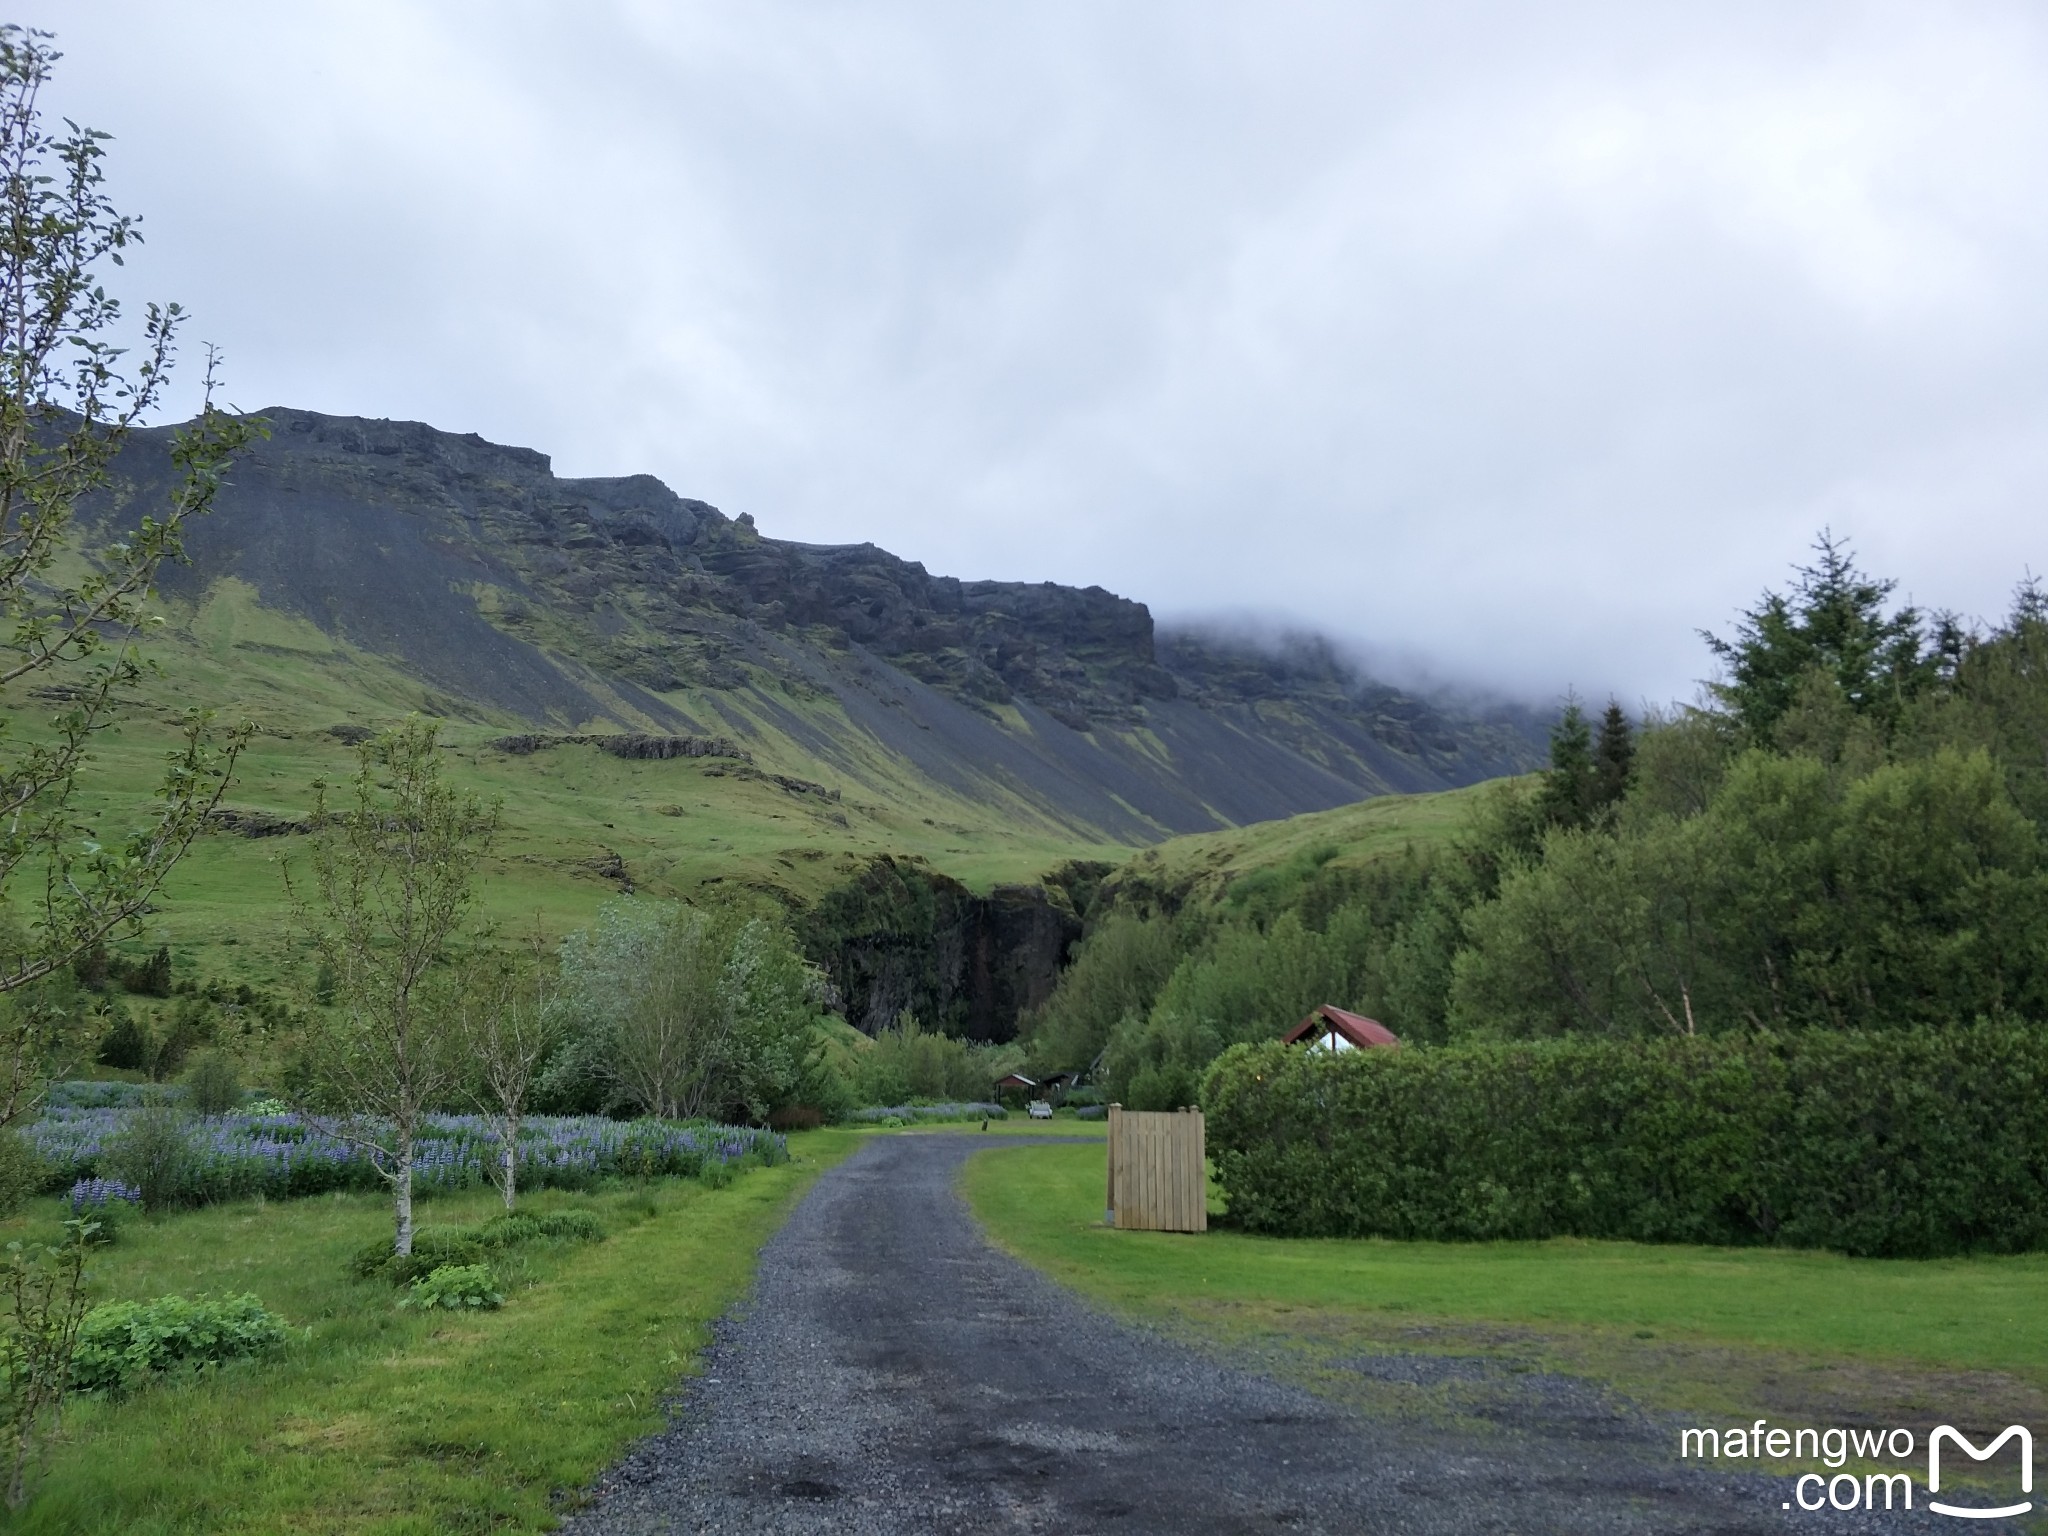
894 1373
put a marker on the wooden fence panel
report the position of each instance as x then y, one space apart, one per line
1158 1179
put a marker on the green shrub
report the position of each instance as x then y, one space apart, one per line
22 1172
508 1231
550 1227
154 1155
456 1287
212 1086
126 1044
1907 1143
124 1342
438 1247
432 1247
568 1226
151 977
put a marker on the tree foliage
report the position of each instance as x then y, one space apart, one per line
71 617
685 1011
908 1061
393 879
1859 849
507 1023
1832 624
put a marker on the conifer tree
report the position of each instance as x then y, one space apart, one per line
1568 797
1833 623
1614 756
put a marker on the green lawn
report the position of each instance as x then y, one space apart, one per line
382 1421
1714 1329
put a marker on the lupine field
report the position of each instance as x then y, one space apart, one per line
285 1155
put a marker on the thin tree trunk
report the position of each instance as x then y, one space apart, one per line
510 1155
401 1191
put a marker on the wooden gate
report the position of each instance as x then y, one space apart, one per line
1158 1181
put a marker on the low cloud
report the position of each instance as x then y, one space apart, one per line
1506 344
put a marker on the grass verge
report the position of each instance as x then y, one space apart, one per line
394 1423
1726 1332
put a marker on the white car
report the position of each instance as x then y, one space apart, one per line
1040 1110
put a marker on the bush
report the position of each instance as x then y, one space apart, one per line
568 1226
432 1247
106 1202
151 978
908 1061
455 1286
549 1227
439 1247
22 1172
125 1342
193 1024
212 1086
508 1231
126 1044
153 1155
1907 1143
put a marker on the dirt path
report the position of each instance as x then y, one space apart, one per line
893 1373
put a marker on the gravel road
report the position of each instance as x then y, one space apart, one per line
894 1373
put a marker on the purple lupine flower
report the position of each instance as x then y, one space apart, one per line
98 1194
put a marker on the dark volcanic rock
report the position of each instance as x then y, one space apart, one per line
243 823
507 590
902 938
627 744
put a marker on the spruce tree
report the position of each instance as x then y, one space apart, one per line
1614 757
1568 797
1833 623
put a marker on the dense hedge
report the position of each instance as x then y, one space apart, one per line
1910 1143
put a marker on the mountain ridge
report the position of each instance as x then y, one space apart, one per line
566 604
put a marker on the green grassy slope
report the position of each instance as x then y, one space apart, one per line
579 824
1269 857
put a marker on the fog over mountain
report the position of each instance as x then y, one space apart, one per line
1520 341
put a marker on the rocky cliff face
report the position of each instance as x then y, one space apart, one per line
572 603
670 593
900 937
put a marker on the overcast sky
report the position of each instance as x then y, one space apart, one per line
1514 341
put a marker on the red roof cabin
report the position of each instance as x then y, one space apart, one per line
1332 1029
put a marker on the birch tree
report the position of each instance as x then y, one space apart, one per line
70 614
688 1011
508 1024
393 877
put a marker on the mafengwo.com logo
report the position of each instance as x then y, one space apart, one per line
1838 1489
